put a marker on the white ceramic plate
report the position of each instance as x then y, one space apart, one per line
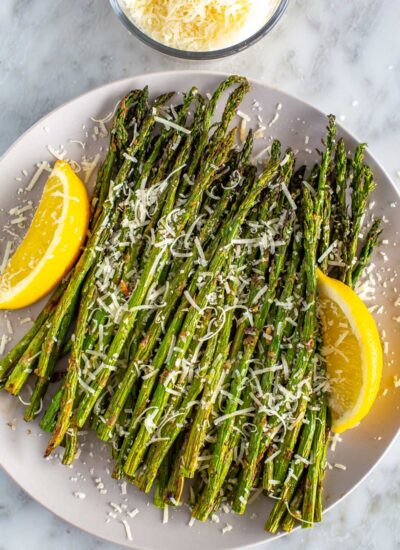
21 445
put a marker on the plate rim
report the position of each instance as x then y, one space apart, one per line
168 74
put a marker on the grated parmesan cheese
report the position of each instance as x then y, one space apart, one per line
169 124
165 514
40 169
7 253
89 167
199 25
127 529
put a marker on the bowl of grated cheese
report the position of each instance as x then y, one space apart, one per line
199 29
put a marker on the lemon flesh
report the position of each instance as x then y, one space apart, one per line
352 351
52 242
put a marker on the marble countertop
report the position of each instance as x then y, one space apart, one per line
344 57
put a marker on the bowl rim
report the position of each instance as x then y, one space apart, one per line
200 55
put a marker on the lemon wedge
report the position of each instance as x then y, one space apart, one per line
352 350
52 242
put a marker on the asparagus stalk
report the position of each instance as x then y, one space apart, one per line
341 223
49 419
27 361
179 415
157 259
217 156
326 231
366 251
161 483
252 459
11 359
362 184
294 510
118 140
148 342
314 469
204 505
42 382
297 467
321 474
90 254
74 367
176 482
228 233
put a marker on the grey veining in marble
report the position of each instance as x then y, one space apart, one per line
343 56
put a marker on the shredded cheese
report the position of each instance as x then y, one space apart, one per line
41 168
127 529
165 514
7 252
170 124
89 167
244 412
199 25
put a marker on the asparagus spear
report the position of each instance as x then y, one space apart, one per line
150 338
229 233
297 467
42 382
161 483
90 254
294 509
27 361
175 485
49 419
311 481
252 458
118 140
339 203
179 414
157 260
11 359
362 184
204 505
71 380
326 230
366 251
321 474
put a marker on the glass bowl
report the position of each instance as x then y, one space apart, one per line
200 55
